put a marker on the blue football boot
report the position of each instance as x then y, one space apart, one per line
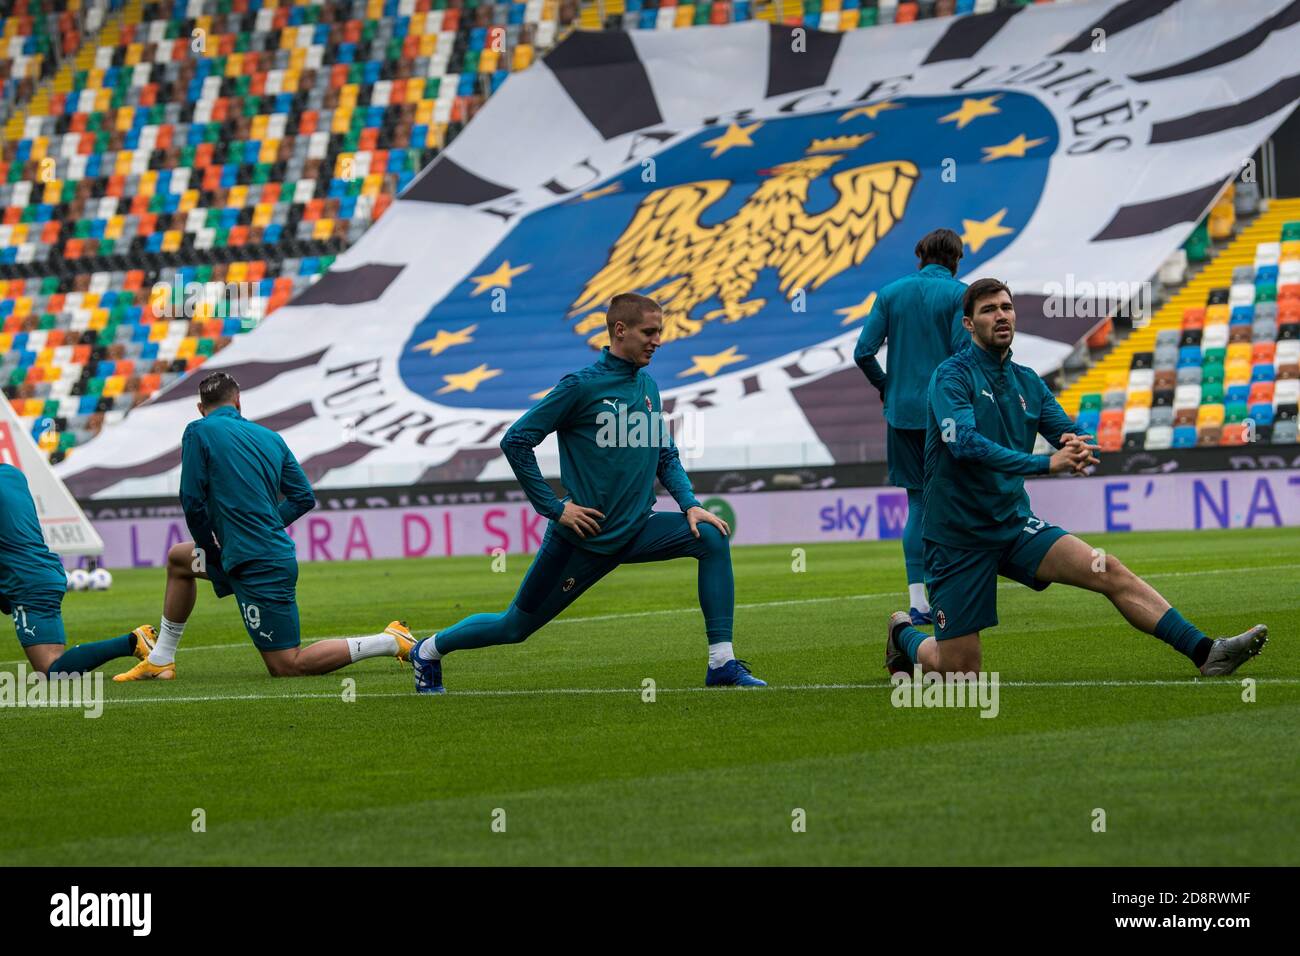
428 674
921 618
734 673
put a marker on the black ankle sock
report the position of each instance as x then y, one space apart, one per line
1201 651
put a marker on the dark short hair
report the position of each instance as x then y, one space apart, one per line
979 289
217 389
628 308
941 246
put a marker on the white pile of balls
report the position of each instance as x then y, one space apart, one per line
79 579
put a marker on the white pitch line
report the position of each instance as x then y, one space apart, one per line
585 619
1003 586
629 691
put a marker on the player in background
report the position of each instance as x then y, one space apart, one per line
920 317
232 475
985 412
608 517
32 585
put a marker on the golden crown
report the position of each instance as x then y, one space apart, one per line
834 143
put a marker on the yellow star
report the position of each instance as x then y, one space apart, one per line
871 111
542 394
499 278
597 193
710 365
855 313
734 136
468 381
976 232
1017 147
445 340
972 109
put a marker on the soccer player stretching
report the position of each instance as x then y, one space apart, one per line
232 475
920 317
607 520
32 585
985 411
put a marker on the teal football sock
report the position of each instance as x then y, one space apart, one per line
84 658
913 545
511 626
909 639
717 591
1183 636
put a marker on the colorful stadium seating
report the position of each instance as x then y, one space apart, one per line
211 141
182 144
1225 371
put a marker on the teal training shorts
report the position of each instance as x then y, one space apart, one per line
963 584
268 603
905 453
38 618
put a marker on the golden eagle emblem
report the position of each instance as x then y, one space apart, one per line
683 265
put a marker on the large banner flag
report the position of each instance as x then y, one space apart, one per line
63 523
762 183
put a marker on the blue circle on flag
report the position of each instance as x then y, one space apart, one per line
760 238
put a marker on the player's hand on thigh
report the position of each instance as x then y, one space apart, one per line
695 514
584 522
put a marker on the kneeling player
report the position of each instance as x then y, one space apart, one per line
985 411
232 474
32 585
598 412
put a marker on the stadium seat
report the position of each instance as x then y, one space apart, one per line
1187 396
1159 437
1261 413
1286 392
1267 254
1247 199
1174 269
1137 419
1233 433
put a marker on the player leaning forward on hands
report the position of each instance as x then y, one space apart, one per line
985 413
233 473
608 517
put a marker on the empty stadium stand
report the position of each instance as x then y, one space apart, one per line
829 15
214 142
235 147
1219 363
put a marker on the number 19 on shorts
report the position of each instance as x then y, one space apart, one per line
252 616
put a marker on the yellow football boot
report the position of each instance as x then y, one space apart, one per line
144 641
405 640
145 638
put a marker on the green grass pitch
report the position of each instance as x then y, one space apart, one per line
555 732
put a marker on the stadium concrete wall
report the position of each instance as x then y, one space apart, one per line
1094 504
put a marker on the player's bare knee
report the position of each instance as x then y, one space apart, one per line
1117 578
180 560
961 655
284 668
